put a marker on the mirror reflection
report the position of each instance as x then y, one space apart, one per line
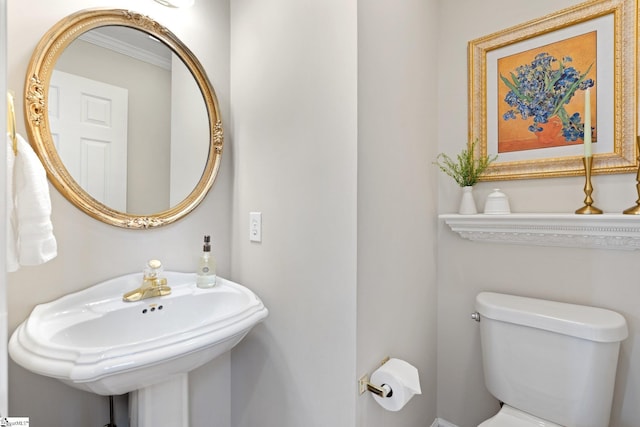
128 120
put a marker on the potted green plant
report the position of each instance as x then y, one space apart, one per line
466 171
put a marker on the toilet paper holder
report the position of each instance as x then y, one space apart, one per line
382 390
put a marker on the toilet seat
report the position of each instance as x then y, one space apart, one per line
512 417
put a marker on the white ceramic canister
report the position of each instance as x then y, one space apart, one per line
497 203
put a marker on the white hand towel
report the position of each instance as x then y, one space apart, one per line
12 250
30 236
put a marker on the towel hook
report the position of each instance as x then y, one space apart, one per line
11 122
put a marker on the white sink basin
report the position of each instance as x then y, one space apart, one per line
94 341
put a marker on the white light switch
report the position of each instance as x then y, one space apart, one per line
255 226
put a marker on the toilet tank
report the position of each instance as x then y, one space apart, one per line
554 360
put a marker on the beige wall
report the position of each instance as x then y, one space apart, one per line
593 277
294 87
397 192
90 251
4 398
328 131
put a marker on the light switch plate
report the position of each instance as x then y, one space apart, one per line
255 226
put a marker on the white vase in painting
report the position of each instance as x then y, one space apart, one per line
467 203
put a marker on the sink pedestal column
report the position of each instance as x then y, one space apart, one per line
164 404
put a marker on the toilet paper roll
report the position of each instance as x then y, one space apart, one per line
402 378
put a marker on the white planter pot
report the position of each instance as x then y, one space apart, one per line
467 203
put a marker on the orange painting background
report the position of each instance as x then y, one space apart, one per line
514 135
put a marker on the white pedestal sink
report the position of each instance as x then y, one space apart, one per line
161 404
94 341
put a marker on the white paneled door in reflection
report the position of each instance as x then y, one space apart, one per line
89 126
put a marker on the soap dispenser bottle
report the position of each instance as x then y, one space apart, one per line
206 275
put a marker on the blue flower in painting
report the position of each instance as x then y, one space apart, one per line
575 130
509 115
541 89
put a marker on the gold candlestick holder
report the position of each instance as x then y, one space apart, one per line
588 208
635 210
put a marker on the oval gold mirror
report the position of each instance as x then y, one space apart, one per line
123 117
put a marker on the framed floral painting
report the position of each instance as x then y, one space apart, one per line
531 88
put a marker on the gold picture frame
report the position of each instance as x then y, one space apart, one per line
614 96
37 99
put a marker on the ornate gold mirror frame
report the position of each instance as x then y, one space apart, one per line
39 73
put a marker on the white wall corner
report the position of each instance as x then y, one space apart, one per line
439 422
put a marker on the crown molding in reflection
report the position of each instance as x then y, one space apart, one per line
607 231
125 48
176 3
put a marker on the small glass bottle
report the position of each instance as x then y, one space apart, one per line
206 274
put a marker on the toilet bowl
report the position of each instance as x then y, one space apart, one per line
552 364
511 417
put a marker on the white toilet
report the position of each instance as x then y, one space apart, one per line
551 364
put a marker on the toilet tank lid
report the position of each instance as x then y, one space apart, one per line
591 323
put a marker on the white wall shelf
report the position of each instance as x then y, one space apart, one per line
606 231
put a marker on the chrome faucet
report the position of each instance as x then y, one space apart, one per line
152 284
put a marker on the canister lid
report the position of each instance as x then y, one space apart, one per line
591 323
